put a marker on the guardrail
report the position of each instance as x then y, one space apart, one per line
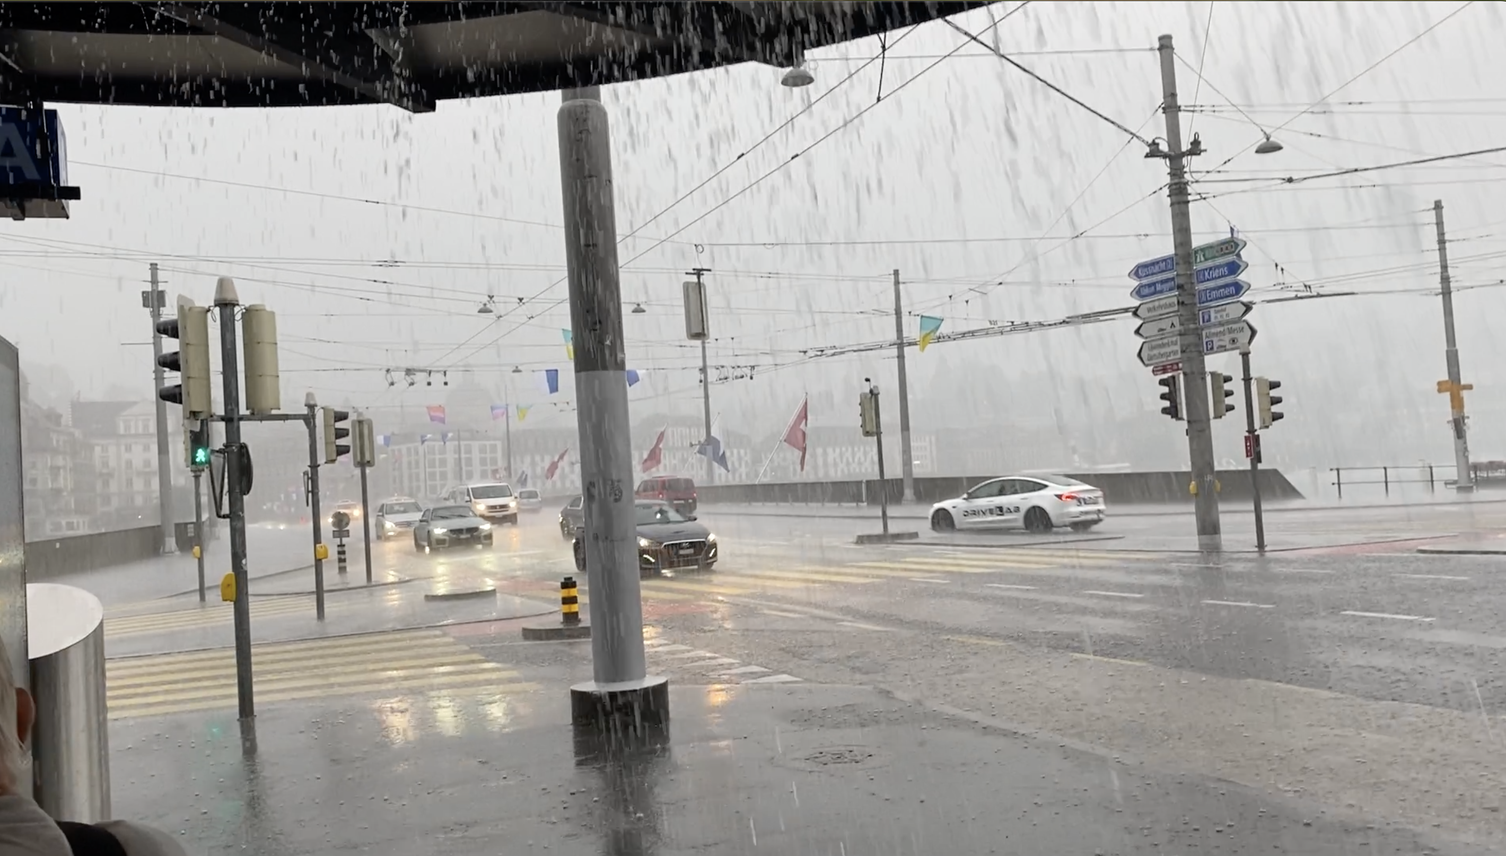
1388 475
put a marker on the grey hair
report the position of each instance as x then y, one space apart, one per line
10 742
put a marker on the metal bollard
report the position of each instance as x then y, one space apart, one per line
569 602
340 557
70 745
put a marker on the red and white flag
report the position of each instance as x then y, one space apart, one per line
554 466
794 436
655 456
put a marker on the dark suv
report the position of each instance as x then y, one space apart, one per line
677 491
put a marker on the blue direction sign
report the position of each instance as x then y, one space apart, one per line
1203 275
1166 265
1224 292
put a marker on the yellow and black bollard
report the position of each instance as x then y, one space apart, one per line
569 602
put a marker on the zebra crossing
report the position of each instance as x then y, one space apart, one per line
687 664
397 663
155 617
938 566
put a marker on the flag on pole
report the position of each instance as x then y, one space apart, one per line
385 440
795 436
549 380
523 412
655 456
444 438
499 411
424 438
554 466
436 413
712 448
633 377
569 344
929 325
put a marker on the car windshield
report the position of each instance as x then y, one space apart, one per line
491 491
652 512
452 512
528 494
401 508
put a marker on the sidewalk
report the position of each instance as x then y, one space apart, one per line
269 552
776 769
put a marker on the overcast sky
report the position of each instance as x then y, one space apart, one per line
376 234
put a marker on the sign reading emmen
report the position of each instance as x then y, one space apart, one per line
33 165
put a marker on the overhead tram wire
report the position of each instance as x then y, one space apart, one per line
828 135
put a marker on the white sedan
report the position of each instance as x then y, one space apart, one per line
1034 503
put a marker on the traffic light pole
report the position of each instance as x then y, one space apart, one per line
1464 477
366 521
1194 369
164 460
198 527
312 420
906 451
878 437
227 301
1252 439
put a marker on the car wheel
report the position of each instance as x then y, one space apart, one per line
513 520
1037 520
580 559
942 521
417 547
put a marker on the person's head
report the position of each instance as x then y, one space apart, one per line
17 712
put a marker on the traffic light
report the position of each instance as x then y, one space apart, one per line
191 328
334 433
1221 391
1265 401
868 413
263 385
1172 396
197 441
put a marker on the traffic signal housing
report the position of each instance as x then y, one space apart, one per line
1221 391
868 413
196 442
1172 396
191 362
1265 401
259 337
334 432
364 445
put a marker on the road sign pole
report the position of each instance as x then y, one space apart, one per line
198 525
312 420
1252 448
1194 370
1464 481
366 521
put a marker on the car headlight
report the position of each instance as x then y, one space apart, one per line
388 524
710 537
480 506
439 530
485 526
645 544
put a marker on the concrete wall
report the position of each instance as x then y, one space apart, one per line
1152 488
46 559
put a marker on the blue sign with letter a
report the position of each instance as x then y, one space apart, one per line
33 167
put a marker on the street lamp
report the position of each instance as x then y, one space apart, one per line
638 309
798 75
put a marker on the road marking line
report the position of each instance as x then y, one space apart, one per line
929 580
1300 571
861 626
773 679
1430 577
977 640
1385 615
742 670
781 614
1113 660
1113 593
1240 603
1008 586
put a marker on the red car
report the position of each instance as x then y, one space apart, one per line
677 491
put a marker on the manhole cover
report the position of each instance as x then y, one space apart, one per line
839 756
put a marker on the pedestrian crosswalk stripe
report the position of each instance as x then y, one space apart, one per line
402 661
208 615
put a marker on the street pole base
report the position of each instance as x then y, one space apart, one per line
626 707
556 632
1464 488
886 537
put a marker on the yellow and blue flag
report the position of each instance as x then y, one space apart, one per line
929 326
569 344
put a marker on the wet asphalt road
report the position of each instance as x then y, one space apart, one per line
1363 678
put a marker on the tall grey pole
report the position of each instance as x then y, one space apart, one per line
198 527
1464 479
164 460
878 437
366 521
1194 370
700 274
907 455
606 466
507 428
312 407
1253 438
227 301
